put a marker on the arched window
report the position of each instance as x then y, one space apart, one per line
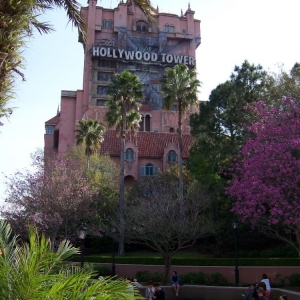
171 28
147 123
149 169
142 123
129 154
142 26
172 130
104 23
166 29
172 156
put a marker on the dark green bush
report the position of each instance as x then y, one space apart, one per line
217 279
143 276
294 279
102 271
194 261
193 278
157 276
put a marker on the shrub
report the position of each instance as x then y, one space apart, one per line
193 261
217 279
102 271
294 279
157 276
193 278
143 276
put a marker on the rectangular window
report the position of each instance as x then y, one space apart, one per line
104 63
101 102
49 129
103 76
149 170
102 90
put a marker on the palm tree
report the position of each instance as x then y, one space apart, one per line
17 21
126 90
90 133
34 271
179 86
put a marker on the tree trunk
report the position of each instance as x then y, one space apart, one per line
121 250
180 157
88 162
297 233
168 261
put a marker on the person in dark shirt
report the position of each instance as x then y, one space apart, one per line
159 293
175 281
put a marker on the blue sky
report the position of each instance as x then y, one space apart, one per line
264 32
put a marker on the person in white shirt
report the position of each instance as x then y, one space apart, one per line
266 280
150 290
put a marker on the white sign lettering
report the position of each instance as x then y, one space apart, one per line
146 56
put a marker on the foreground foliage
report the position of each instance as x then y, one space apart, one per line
33 270
18 19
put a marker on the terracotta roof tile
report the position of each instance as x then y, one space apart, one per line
54 120
150 144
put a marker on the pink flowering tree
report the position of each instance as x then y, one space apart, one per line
266 175
54 196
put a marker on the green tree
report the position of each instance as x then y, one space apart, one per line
34 271
90 133
218 128
179 86
283 84
219 133
126 91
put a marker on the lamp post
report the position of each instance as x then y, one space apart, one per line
113 266
81 231
236 270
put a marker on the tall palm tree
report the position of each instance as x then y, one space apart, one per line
126 90
179 86
90 133
34 271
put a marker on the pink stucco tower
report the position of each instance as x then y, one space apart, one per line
118 39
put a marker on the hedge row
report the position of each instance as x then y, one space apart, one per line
194 261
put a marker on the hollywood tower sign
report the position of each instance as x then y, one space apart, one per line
123 39
145 56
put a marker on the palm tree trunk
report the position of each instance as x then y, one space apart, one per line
121 250
180 157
